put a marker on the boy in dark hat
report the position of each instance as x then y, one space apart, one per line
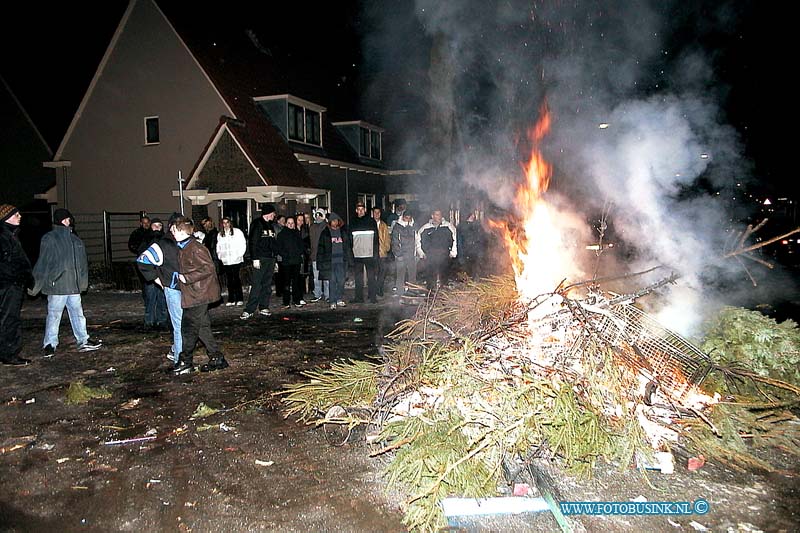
62 273
15 274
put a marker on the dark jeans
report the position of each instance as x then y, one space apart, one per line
196 325
261 288
155 305
436 268
292 284
336 283
234 282
371 266
380 275
10 324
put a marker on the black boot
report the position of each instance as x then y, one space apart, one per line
217 362
18 361
184 366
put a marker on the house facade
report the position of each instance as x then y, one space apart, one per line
180 117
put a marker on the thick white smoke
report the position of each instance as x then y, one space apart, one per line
616 64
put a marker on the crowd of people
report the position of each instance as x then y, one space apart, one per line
180 267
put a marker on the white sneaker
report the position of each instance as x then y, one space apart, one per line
341 303
333 306
171 356
301 303
245 315
239 303
265 312
228 304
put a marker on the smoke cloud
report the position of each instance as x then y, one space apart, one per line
637 117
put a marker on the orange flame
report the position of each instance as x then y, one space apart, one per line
539 256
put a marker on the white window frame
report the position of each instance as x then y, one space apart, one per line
367 199
368 148
158 126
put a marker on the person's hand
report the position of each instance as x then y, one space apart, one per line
256 264
452 255
422 255
31 292
182 278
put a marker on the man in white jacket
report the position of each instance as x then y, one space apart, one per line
437 243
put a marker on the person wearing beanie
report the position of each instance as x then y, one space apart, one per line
62 273
334 255
319 224
263 249
15 274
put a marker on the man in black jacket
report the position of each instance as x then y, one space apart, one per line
15 274
262 248
366 246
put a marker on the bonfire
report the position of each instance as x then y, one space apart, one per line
513 375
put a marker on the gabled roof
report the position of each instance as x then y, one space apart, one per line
242 70
22 151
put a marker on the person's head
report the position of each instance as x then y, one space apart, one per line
183 228
300 220
281 220
157 226
227 226
290 223
172 218
361 209
62 217
336 221
376 213
408 217
399 205
207 224
144 222
10 214
319 215
268 212
436 217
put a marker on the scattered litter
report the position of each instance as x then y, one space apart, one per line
521 489
111 369
674 524
155 481
696 463
264 463
80 393
662 462
130 404
151 431
81 487
32 400
356 319
129 441
347 331
319 341
639 499
189 504
203 411
17 443
62 460
46 447
698 527
225 427
206 427
484 506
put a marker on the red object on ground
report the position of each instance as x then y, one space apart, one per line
696 463
521 489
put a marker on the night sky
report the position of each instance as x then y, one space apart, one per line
51 50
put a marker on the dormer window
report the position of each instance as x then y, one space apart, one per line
298 119
304 125
370 143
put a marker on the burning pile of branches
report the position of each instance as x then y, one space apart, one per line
479 380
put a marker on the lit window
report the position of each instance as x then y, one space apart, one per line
151 134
